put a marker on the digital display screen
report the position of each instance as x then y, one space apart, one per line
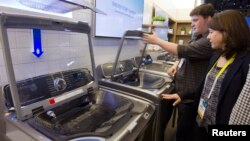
121 15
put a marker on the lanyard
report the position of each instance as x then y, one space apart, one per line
230 61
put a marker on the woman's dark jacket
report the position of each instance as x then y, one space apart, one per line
231 86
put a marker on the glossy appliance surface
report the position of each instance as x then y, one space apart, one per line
128 74
147 64
82 117
124 75
64 102
99 113
162 67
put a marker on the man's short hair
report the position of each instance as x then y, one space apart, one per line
204 10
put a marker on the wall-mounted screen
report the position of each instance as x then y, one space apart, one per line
121 15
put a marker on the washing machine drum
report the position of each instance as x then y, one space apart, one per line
77 118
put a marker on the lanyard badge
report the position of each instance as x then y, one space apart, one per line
203 103
202 107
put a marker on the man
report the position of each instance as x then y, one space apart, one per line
191 68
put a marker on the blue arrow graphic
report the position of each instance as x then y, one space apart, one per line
37 42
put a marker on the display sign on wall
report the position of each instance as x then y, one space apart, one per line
121 15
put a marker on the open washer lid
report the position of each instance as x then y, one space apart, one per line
123 67
44 46
131 39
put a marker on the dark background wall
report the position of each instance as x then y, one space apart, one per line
242 5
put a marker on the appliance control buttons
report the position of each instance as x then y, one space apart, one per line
60 84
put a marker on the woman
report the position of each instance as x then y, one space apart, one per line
229 36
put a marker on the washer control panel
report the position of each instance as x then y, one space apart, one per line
60 84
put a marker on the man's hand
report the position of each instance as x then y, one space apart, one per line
151 38
172 71
174 96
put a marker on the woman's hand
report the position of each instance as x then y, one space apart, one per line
174 96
